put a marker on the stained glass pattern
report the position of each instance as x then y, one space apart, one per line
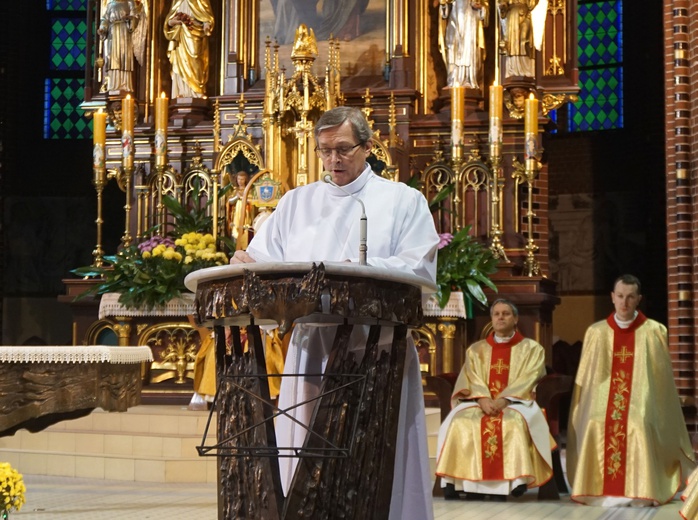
66 5
599 106
63 117
65 85
68 42
600 54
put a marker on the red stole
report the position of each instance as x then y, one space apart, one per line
615 441
491 427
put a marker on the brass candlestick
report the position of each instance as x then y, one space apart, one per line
99 182
527 173
123 178
497 193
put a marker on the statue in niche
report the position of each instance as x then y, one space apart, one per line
123 28
188 26
462 40
522 25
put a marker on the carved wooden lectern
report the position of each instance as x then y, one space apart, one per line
346 468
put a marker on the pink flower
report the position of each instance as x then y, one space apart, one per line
444 239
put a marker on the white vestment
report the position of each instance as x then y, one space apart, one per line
319 222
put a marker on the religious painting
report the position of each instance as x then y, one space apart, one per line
358 25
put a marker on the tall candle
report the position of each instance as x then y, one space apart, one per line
127 117
496 96
99 140
531 115
531 126
161 118
457 114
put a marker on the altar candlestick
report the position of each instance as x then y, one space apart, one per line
127 116
161 118
531 126
99 133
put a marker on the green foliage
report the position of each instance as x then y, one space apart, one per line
152 273
466 265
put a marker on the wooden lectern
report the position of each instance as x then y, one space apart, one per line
346 462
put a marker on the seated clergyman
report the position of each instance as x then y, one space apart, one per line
496 440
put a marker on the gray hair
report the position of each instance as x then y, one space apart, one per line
514 309
338 116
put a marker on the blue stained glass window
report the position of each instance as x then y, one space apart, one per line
65 86
64 118
66 5
600 55
68 42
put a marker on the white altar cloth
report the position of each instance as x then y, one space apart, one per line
76 354
455 307
109 306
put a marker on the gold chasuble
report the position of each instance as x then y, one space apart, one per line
627 442
494 454
689 510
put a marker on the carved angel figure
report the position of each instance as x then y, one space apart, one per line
123 29
522 26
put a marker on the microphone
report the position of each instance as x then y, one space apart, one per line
363 230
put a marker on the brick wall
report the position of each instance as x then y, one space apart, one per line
681 35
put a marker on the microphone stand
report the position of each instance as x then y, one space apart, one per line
363 229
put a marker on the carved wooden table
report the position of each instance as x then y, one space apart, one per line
40 386
350 452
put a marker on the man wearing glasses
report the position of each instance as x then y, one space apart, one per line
320 222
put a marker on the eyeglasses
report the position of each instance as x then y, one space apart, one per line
342 151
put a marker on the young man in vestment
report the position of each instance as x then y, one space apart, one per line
321 222
496 440
627 442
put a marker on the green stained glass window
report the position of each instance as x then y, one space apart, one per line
600 55
65 84
64 118
68 41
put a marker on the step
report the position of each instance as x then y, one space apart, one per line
146 444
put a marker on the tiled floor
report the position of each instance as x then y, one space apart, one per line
62 498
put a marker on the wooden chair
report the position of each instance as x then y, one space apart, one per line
548 393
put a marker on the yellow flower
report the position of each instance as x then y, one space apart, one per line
146 254
168 254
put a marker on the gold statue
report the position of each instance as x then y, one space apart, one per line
305 44
522 25
238 215
188 26
462 40
123 28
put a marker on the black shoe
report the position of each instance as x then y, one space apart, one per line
474 496
498 498
450 492
519 490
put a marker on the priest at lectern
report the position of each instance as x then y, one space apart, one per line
322 222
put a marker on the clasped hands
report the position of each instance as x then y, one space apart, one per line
492 407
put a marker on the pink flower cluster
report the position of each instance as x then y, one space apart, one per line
152 243
444 239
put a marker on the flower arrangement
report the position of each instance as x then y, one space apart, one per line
12 487
463 264
152 273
